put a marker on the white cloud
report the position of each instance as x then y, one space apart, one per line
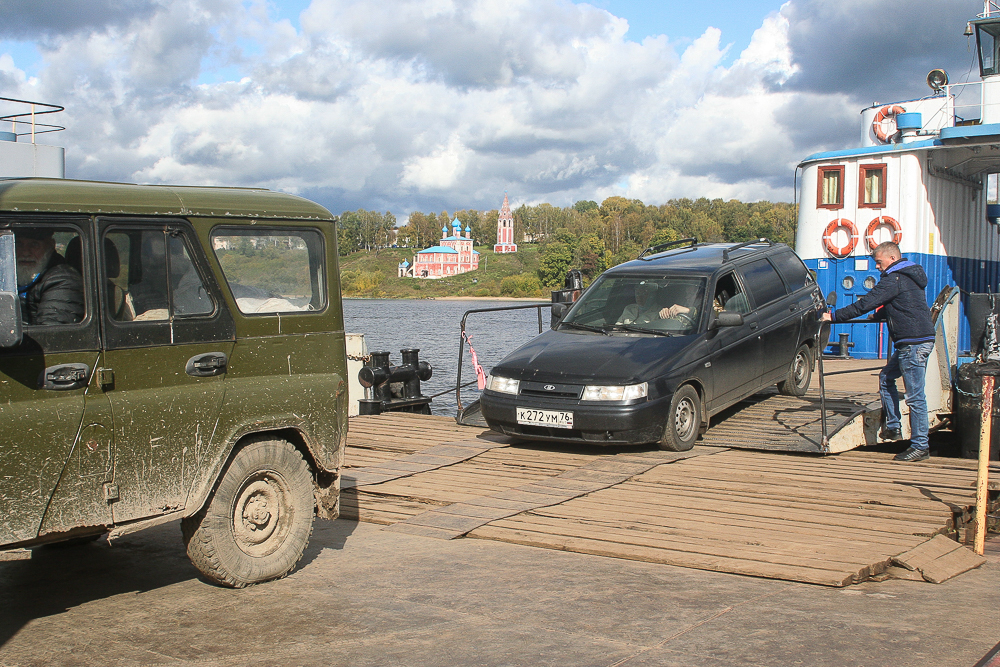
440 170
431 104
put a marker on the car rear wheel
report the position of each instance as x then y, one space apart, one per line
258 521
683 421
796 382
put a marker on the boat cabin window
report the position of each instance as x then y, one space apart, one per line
988 38
831 187
872 186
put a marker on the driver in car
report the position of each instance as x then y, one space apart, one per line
51 291
646 307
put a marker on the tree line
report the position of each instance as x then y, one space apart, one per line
590 236
365 230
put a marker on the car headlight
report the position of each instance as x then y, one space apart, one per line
502 385
615 393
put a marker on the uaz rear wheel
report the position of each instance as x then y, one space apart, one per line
258 521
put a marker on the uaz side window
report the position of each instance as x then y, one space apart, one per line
273 271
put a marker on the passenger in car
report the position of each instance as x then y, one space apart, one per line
51 291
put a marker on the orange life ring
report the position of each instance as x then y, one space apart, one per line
897 230
852 237
886 112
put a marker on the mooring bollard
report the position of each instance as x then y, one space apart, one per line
380 377
988 373
845 346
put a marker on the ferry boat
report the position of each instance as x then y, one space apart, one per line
925 176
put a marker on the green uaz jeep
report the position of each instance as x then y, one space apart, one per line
170 352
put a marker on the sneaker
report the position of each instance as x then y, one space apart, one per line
891 434
912 454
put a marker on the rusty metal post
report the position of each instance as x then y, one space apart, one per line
982 479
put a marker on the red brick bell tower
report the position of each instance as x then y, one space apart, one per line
505 229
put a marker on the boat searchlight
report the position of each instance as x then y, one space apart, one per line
937 79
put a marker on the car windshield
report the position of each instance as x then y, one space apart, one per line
631 303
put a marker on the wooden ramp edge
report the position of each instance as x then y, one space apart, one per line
831 521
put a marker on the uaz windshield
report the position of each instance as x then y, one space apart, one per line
632 303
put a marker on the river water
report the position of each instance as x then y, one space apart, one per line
434 327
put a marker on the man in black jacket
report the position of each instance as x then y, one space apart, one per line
51 290
899 299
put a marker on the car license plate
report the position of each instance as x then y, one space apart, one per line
552 418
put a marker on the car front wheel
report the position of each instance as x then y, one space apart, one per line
683 421
258 521
799 375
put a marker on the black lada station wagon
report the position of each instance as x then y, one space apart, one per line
656 346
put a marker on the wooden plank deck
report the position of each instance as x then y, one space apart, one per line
824 520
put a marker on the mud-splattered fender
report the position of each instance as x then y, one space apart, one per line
310 410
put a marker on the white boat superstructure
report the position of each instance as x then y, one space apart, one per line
20 154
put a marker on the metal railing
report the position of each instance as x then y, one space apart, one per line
16 119
461 339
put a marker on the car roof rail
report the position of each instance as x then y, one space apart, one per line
725 253
652 250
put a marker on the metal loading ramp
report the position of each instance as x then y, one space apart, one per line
822 520
769 421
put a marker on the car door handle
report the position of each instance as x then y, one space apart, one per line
206 365
793 307
753 326
64 377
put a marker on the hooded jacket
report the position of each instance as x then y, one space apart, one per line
900 292
55 296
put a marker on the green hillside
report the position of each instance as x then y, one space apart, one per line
371 274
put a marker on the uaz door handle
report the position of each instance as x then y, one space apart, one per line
206 365
64 377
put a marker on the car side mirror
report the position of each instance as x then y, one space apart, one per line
727 320
10 305
557 311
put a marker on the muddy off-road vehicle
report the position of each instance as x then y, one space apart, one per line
173 352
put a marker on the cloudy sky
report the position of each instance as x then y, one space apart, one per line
427 105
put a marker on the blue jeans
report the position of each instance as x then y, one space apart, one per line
910 363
